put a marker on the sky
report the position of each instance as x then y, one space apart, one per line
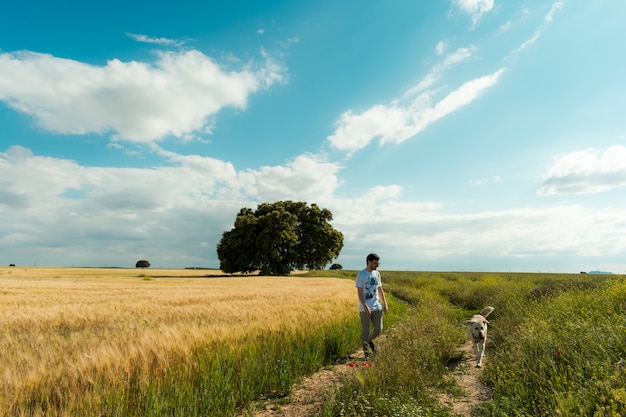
459 135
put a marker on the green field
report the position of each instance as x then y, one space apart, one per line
557 346
79 342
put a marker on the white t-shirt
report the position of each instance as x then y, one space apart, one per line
369 281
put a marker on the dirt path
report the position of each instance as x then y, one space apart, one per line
467 377
307 397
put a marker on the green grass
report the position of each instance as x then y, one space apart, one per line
557 346
410 366
564 356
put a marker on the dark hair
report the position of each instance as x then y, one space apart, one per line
372 257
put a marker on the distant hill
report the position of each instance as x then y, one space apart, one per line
600 272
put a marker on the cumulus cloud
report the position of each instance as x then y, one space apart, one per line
586 172
475 8
134 101
59 212
403 119
95 213
306 177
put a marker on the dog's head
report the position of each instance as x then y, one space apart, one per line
477 327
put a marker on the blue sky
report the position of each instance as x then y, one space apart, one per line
461 135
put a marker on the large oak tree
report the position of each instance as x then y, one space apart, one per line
279 238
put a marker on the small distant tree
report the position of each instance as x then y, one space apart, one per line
142 264
278 238
336 266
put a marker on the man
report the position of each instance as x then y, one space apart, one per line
372 302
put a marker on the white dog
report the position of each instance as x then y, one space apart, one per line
477 331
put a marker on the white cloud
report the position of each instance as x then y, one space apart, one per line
586 172
404 117
58 212
397 122
135 101
505 26
153 40
382 204
537 34
94 213
555 7
564 238
441 47
306 178
475 8
288 42
458 56
530 41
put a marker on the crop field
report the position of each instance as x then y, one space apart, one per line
161 342
126 342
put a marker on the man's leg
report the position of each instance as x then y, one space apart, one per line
365 331
377 320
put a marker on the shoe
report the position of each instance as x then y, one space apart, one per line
367 350
371 344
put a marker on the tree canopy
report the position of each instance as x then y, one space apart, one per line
142 264
278 238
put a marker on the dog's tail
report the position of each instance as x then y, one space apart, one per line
486 311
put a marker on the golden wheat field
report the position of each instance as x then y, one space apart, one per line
81 322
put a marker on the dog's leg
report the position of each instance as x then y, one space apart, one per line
480 354
475 348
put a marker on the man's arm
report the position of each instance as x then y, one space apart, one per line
381 295
359 291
